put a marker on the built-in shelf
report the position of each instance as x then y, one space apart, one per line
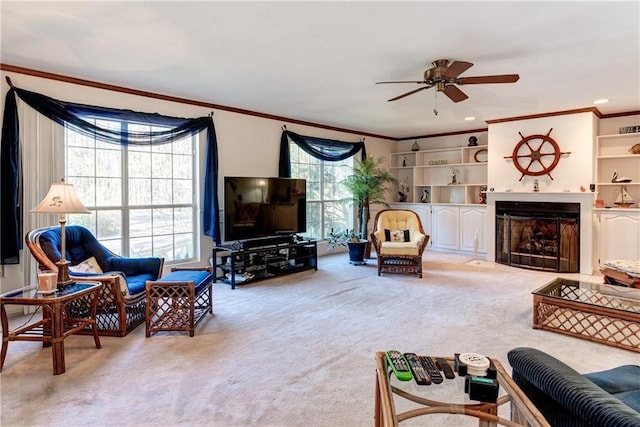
613 153
431 173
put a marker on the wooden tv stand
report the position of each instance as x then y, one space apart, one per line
240 265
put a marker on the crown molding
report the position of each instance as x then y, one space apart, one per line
288 120
621 114
593 110
130 91
434 135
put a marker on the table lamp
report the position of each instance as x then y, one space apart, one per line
61 199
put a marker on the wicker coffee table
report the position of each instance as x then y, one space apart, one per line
597 312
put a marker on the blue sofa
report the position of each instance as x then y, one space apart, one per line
565 397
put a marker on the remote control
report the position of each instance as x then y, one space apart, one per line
445 368
399 365
431 369
419 374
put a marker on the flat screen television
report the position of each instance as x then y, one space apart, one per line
259 207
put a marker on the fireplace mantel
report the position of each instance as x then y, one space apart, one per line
586 201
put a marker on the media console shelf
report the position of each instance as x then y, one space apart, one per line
250 264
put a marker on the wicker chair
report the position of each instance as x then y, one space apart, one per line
121 304
399 240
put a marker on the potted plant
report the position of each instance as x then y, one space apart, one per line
368 185
350 240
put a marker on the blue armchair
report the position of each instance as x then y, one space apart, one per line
566 398
121 305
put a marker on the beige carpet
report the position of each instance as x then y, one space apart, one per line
291 351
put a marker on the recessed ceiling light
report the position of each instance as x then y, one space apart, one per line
600 101
469 118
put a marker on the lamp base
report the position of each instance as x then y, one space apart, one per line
63 274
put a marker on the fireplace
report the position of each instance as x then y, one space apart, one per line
538 235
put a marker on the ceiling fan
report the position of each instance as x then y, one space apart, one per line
444 75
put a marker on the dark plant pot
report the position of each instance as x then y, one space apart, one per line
356 252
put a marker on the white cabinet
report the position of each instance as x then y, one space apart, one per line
613 153
448 175
455 227
451 227
619 234
424 212
445 231
472 228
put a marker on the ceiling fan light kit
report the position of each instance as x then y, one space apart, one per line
444 75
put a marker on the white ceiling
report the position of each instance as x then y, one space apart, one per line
319 61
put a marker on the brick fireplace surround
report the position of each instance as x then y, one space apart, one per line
587 244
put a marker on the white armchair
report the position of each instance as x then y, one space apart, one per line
399 240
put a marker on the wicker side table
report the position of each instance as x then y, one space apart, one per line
179 300
56 324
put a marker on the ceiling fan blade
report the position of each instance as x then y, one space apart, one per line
455 94
503 78
399 81
408 93
457 68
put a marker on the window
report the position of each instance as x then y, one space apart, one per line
325 211
141 197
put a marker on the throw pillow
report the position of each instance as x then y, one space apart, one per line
89 265
396 235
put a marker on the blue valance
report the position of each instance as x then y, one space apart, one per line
71 115
329 150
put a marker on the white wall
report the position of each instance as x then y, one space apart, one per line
574 133
612 125
247 145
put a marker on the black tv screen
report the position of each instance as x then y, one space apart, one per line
259 207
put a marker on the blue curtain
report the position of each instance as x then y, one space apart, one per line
329 150
71 115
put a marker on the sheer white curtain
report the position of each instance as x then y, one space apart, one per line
42 146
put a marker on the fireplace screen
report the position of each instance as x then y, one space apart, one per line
543 236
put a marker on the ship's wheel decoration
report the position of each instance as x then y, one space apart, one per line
536 155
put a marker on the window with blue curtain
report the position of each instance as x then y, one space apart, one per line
141 197
324 163
74 117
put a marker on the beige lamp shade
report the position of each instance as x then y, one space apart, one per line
60 199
